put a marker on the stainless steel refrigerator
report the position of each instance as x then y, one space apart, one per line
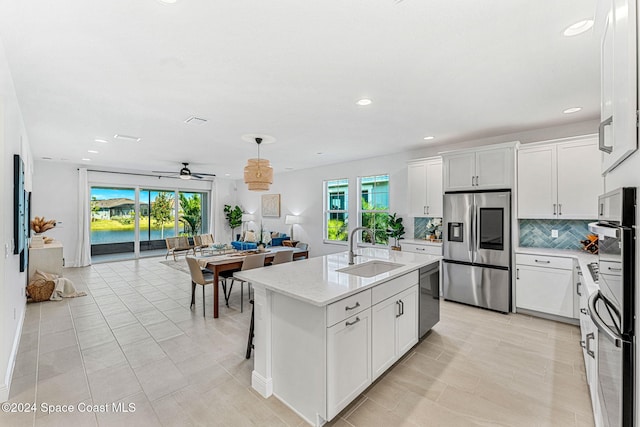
477 249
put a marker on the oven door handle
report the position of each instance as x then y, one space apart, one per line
597 320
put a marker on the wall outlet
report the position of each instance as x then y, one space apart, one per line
554 233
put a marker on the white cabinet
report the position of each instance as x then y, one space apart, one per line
618 103
425 187
348 361
545 284
48 259
395 329
481 169
559 180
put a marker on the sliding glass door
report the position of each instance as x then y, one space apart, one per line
156 214
112 220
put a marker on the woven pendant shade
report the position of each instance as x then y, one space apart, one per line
258 174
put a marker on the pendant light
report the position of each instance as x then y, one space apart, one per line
258 174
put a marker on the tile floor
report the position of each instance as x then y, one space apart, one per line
133 340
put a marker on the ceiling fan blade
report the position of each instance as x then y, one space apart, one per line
163 172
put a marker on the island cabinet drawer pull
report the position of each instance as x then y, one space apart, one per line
352 308
398 312
543 261
614 269
352 323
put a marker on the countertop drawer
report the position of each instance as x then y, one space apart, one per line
395 286
347 307
416 248
545 261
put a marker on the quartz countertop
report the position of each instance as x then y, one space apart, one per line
421 242
584 259
316 281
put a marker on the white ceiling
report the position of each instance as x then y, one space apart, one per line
293 69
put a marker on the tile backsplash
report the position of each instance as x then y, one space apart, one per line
421 225
537 233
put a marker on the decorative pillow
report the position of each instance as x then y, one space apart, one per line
266 237
249 236
275 234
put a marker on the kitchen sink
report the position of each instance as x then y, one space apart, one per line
370 268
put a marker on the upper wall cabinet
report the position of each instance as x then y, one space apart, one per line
618 131
425 187
559 179
481 169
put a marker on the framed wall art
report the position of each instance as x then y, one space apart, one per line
271 205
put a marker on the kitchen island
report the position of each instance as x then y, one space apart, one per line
323 335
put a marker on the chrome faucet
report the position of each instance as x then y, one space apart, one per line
352 256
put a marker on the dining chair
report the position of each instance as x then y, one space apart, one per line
282 256
199 277
250 262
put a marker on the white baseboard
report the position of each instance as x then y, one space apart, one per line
261 385
5 388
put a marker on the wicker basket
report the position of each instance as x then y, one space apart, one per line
40 290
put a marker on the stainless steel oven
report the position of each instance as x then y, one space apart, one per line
612 308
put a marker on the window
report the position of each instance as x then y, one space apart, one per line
336 227
374 207
193 218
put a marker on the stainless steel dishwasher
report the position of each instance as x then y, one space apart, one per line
429 297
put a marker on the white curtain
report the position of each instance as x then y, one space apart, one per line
212 206
83 254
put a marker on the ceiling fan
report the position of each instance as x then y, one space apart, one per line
185 173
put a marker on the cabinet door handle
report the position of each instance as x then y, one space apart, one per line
427 210
590 336
559 208
517 274
601 145
614 269
347 308
601 209
352 323
554 209
424 210
578 289
399 313
472 181
401 307
542 262
583 311
477 180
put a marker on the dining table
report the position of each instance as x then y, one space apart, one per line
233 262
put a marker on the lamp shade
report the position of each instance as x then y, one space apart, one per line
292 219
258 174
248 217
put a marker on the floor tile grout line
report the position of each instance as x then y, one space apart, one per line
84 367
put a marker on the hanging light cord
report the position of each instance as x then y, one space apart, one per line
259 173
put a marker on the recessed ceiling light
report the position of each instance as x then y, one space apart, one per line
86 160
127 137
47 158
102 141
428 138
168 1
578 28
364 101
572 110
92 151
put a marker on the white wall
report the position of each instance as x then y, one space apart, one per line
13 140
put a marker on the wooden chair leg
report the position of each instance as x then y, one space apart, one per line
250 340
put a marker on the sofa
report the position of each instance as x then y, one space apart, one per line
248 240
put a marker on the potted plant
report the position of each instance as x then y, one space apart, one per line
395 230
234 218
